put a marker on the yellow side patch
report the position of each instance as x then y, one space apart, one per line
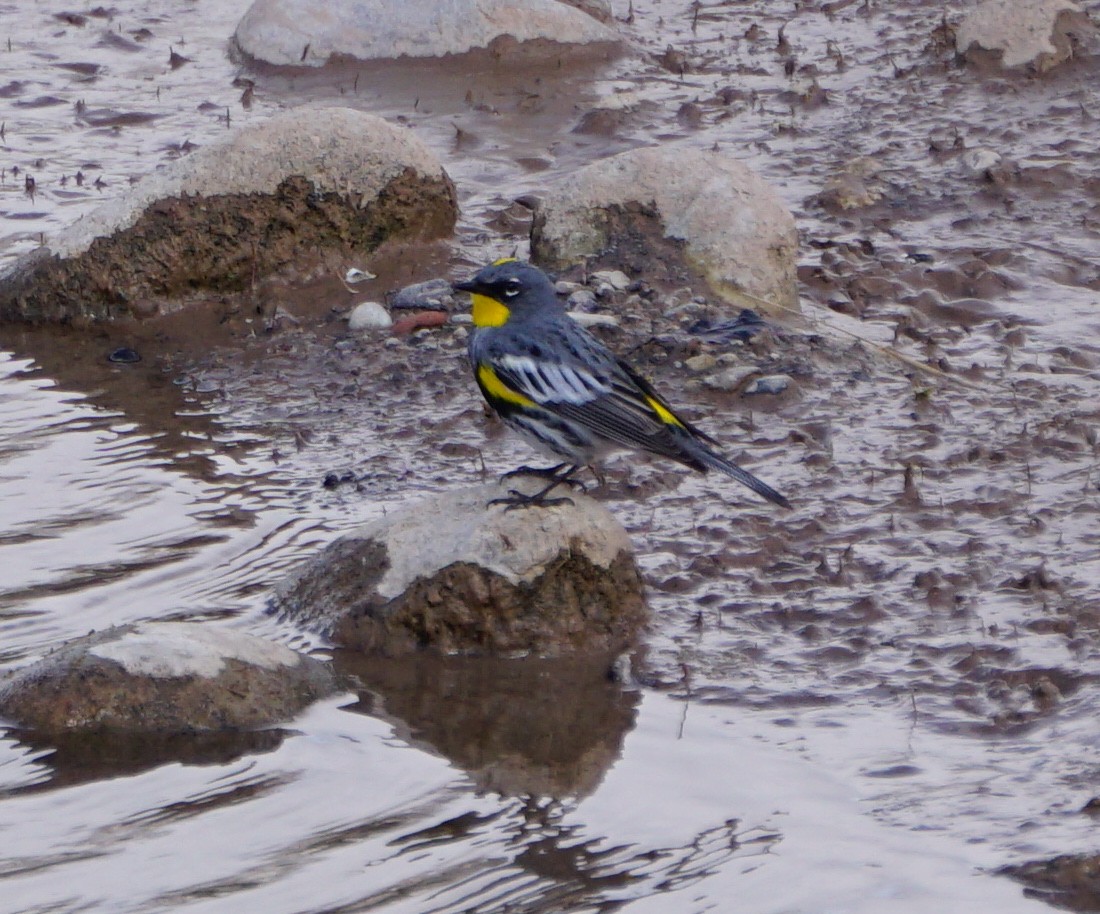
488 312
496 389
663 413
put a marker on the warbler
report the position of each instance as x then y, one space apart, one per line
565 392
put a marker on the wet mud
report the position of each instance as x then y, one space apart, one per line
924 624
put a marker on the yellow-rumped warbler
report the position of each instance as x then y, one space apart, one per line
564 392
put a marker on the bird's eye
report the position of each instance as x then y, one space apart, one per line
512 288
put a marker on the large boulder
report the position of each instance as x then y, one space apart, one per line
306 33
646 205
1036 34
273 194
163 678
457 575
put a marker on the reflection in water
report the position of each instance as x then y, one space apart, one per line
520 727
80 757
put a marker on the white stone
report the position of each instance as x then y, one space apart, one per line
736 230
308 33
1025 31
166 650
369 315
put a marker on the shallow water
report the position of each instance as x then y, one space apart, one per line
870 703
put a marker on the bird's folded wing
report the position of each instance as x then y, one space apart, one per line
612 406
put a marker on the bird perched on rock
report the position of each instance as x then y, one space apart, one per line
565 392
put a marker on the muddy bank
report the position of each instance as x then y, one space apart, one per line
923 627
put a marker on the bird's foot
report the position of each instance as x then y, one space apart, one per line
516 499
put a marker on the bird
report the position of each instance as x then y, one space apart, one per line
565 392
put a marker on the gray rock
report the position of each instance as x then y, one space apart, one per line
164 677
302 33
369 315
728 224
272 194
617 279
581 299
768 384
1038 34
455 575
432 295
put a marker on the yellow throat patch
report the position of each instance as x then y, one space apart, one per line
488 312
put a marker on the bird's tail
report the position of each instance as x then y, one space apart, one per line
703 458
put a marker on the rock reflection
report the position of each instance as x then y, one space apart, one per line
77 758
519 727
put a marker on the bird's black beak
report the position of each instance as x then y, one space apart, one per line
466 285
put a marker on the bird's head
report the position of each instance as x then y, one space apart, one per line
508 289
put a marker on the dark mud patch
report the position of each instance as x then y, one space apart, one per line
182 248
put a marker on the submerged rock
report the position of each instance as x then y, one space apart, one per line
1069 881
164 677
454 575
1037 34
722 219
305 181
303 33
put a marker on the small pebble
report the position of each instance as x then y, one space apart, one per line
369 315
586 319
564 287
978 161
355 275
581 300
124 356
617 279
702 362
731 378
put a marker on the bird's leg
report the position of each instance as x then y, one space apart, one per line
516 499
544 472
